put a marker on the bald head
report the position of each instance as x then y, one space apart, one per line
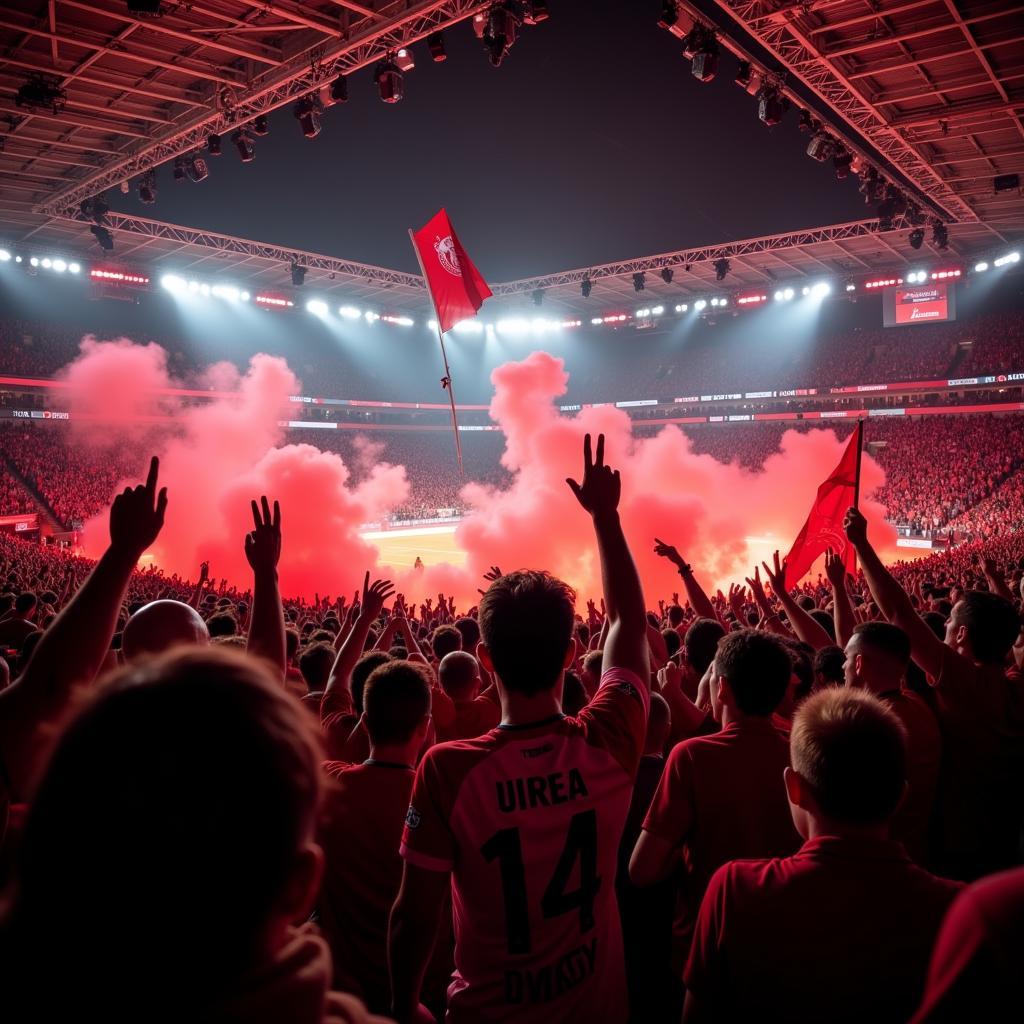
459 675
161 625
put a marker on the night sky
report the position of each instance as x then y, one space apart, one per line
591 143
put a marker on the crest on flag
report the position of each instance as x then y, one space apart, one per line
445 249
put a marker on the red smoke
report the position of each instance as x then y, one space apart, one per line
226 450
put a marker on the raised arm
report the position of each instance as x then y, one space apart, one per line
626 644
893 601
770 621
995 579
73 649
843 614
197 594
806 629
266 619
699 601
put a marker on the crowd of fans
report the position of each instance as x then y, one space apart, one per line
787 804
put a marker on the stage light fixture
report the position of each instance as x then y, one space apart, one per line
94 209
1010 257
586 286
308 116
179 168
244 144
639 282
980 267
770 106
260 125
841 162
821 289
743 74
213 144
714 301
667 273
850 286
404 59
669 14
46 262
596 320
538 297
806 290
298 273
103 237
701 48
642 314
435 44
500 28
349 312
390 82
41 93
722 268
940 235
196 168
147 188
916 238
657 310
820 147
536 12
699 304
805 122
73 268
338 92
317 307
33 261
173 283
914 216
5 256
682 307
60 265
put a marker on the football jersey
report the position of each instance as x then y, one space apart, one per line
528 820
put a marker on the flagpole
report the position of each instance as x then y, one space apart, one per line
446 383
860 453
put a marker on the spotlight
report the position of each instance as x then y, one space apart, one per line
699 304
714 301
770 106
339 90
179 168
213 144
669 14
499 35
147 188
73 268
317 307
657 310
308 116
195 168
667 273
94 209
404 59
821 289
820 147
701 47
638 282
41 92
47 262
390 82
260 125
916 238
349 312
34 261
173 283
682 307
536 12
244 144
586 285
103 236
5 256
805 122
538 297
435 43
871 187
841 162
298 275
914 215
596 320
980 267
722 268
1010 257
940 235
743 74
806 290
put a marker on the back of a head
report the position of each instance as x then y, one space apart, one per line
850 749
675 615
672 641
160 625
396 699
992 624
364 666
459 675
222 624
701 643
757 667
25 603
444 640
828 665
182 794
526 623
470 633
315 663
885 641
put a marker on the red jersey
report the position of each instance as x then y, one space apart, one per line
464 719
345 734
365 810
528 820
975 972
841 931
722 797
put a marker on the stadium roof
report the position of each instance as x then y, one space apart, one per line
929 91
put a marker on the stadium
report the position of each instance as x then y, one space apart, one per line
349 285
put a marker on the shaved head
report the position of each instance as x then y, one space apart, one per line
161 625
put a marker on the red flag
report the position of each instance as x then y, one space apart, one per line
456 286
824 526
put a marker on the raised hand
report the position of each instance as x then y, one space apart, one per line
492 574
856 527
669 552
754 582
737 599
137 515
263 544
375 595
204 573
835 569
777 576
601 488
670 677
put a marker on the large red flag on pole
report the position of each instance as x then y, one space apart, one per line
456 287
457 290
824 526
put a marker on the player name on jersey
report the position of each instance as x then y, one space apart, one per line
525 794
550 981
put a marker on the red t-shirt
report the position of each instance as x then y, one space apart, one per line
982 722
841 931
365 812
528 821
463 720
721 797
345 735
976 969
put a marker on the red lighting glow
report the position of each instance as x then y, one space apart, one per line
943 275
118 275
886 282
277 301
747 300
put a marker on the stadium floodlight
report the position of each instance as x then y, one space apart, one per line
469 327
193 286
714 301
1010 257
349 312
74 268
47 263
657 310
60 266
431 325
4 256
586 286
596 321
34 262
226 291
806 290
244 296
723 302
682 307
699 304
821 289
980 267
173 283
317 307
851 287
371 317
204 289
641 314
